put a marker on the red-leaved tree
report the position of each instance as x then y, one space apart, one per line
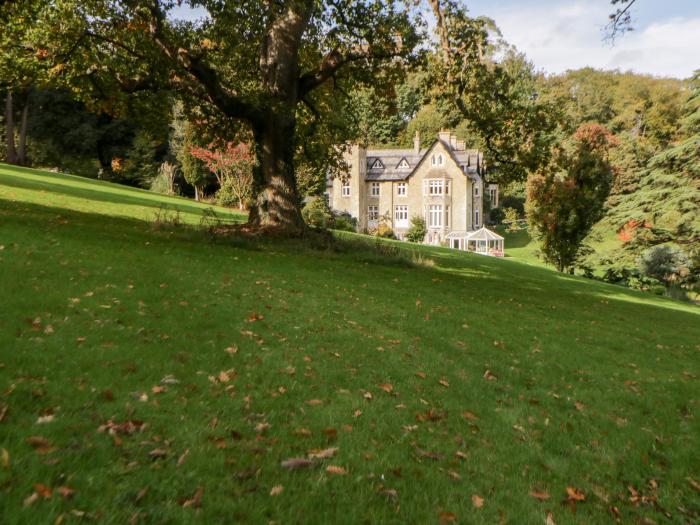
232 165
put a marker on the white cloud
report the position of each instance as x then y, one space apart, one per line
570 37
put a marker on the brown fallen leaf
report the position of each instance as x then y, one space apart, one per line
65 492
303 432
255 317
477 501
330 433
277 489
469 415
444 383
5 457
489 376
575 495
322 453
387 387
422 375
158 453
579 406
693 483
231 350
333 469
296 463
182 457
43 491
447 517
314 402
461 454
3 412
159 389
357 413
41 445
428 454
540 495
196 501
550 519
142 494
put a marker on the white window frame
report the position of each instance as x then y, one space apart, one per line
403 165
345 188
374 189
401 216
435 216
373 213
493 197
435 187
377 165
401 189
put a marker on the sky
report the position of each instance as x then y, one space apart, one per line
557 35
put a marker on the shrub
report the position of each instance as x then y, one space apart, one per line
417 231
384 231
510 217
318 214
496 215
345 222
164 181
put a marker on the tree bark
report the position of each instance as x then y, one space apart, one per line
22 149
10 150
276 205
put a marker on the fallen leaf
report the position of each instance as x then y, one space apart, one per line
65 492
5 455
387 387
159 389
444 383
41 445
43 491
196 500
330 433
314 402
322 453
477 501
540 495
550 519
255 317
368 395
142 494
575 494
231 350
447 517
461 454
277 489
579 406
44 419
690 480
489 376
421 375
29 500
181 459
158 453
357 413
469 415
333 469
303 432
296 463
428 454
262 427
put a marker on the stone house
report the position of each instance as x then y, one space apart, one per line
442 183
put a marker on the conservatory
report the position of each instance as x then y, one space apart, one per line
482 241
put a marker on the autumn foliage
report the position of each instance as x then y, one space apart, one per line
232 165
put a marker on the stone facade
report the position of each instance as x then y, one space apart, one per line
442 183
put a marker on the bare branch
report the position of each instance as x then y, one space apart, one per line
620 21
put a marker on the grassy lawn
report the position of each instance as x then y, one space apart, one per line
152 374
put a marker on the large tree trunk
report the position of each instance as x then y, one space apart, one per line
276 207
22 149
276 204
10 150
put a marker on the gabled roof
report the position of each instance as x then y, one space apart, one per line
482 234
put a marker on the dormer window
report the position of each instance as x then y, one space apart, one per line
377 165
437 160
403 165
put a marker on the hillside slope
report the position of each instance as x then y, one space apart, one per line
163 376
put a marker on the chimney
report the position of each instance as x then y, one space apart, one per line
453 141
444 136
416 143
461 146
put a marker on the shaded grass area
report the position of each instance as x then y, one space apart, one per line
437 375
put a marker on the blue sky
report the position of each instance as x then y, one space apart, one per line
566 34
557 35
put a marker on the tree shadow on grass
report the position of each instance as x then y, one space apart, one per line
100 191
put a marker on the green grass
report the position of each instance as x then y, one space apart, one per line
593 386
